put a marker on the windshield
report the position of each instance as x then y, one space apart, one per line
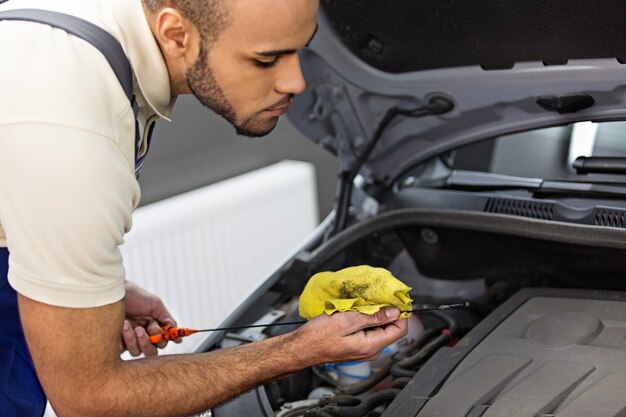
543 153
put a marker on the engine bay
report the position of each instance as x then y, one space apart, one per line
545 334
544 352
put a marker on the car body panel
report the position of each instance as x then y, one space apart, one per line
454 235
346 99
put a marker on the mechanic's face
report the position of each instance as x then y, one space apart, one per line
251 73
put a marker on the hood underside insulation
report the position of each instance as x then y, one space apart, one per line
408 35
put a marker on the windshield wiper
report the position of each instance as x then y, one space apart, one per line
600 165
484 181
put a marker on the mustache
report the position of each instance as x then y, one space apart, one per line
285 101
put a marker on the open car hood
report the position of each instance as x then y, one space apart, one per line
506 66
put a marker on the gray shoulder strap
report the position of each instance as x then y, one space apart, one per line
95 35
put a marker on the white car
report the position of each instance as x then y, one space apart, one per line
483 160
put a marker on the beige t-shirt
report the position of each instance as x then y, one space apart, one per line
67 133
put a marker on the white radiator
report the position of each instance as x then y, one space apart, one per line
202 252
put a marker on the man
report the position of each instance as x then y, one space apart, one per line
67 190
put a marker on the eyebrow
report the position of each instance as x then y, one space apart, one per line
279 52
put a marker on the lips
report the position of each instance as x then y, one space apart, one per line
278 111
281 107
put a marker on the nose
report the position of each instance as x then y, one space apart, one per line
290 79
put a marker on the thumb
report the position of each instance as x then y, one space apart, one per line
168 321
384 316
161 314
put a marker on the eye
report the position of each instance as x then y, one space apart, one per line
266 64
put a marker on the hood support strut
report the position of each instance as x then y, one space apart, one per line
436 105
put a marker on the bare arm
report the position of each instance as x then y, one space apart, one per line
76 354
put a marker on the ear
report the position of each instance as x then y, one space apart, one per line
176 35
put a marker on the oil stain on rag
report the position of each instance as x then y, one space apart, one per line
359 288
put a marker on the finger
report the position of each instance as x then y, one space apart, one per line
172 323
359 321
154 328
161 313
380 337
373 357
165 318
130 340
384 315
147 348
168 320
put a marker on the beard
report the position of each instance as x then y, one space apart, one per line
206 89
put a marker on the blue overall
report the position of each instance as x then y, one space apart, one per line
21 394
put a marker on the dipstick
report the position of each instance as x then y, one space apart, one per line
171 332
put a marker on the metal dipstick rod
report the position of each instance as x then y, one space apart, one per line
171 332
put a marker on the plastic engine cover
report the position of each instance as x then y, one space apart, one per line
558 353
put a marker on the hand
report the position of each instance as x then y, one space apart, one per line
349 336
145 314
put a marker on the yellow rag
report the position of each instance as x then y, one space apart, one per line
359 288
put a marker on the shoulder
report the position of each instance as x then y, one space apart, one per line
50 76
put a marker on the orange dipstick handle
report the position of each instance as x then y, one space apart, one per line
171 333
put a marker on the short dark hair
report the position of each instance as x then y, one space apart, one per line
210 17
